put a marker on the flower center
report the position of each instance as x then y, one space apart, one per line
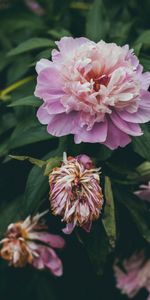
102 80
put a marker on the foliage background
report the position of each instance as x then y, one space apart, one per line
124 228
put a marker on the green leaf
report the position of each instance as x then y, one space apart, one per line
26 101
18 68
137 48
7 122
31 44
36 189
145 61
142 173
51 163
10 212
25 135
4 147
109 220
103 153
144 38
37 185
34 161
137 210
97 23
141 144
58 34
45 288
97 247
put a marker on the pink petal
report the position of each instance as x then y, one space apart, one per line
43 64
69 228
53 240
87 226
96 135
49 82
55 108
116 137
145 80
129 128
48 259
43 116
52 262
63 124
69 44
141 116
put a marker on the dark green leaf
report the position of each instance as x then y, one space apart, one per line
137 210
141 145
24 135
97 23
109 220
32 160
98 248
26 101
31 44
144 38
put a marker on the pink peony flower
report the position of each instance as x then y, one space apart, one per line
75 193
144 193
96 91
136 275
26 242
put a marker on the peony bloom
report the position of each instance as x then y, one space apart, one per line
75 193
96 91
26 242
144 193
136 275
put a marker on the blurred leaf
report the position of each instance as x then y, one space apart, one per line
137 210
104 153
10 212
80 5
145 61
97 247
25 134
31 44
4 147
45 289
27 101
109 220
141 144
34 161
18 68
144 38
142 173
119 31
7 122
36 189
37 184
97 23
58 34
137 48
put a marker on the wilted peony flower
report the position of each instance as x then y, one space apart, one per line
75 193
26 242
134 276
96 91
144 193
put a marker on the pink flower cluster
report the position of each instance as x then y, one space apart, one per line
75 192
96 91
134 276
26 242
